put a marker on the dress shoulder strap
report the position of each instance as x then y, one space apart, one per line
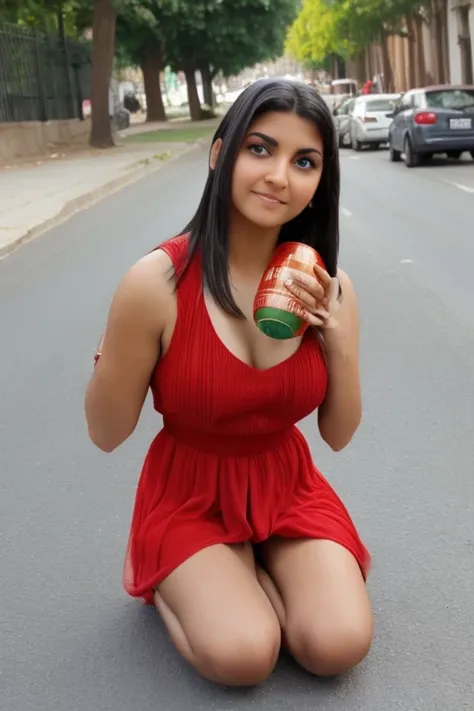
189 288
177 250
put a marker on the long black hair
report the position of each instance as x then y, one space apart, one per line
317 226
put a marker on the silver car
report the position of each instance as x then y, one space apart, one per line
436 119
342 117
370 120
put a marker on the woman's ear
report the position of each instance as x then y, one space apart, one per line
215 150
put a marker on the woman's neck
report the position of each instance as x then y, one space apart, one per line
250 246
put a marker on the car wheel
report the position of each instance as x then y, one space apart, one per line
355 143
455 155
472 154
346 140
394 155
412 159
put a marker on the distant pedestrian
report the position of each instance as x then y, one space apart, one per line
236 537
368 87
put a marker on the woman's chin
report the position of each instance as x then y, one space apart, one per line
265 221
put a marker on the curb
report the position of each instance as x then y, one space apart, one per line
134 172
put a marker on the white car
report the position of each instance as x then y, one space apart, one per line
342 122
371 117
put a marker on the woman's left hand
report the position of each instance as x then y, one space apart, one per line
319 297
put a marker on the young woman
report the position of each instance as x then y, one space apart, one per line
236 538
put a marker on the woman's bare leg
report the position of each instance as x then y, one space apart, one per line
327 620
271 591
218 616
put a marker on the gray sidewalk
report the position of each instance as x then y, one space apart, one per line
34 198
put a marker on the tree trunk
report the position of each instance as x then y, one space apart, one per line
435 51
412 53
439 35
360 67
60 19
103 46
193 96
387 67
420 52
465 44
151 65
207 89
445 40
369 73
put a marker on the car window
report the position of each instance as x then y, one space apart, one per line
396 105
379 105
418 101
407 102
450 98
346 108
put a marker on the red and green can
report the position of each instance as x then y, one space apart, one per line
275 309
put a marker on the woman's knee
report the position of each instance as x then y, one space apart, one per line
245 658
329 649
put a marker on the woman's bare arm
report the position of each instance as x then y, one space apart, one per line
340 414
140 311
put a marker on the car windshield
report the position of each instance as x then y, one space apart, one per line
379 105
450 99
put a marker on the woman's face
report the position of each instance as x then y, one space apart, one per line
278 169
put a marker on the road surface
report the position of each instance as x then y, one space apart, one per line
70 638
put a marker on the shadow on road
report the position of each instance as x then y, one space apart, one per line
131 652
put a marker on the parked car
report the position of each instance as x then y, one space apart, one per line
370 120
339 91
342 116
435 119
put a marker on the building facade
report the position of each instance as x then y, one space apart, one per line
460 31
437 48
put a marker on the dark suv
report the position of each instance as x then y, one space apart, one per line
436 119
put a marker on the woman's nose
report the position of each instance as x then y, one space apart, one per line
278 175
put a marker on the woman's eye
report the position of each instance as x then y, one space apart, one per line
305 163
258 150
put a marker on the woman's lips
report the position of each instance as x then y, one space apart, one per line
270 199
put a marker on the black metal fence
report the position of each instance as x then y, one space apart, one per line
42 77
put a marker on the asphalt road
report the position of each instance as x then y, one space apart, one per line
70 638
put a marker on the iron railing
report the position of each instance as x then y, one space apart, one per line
42 77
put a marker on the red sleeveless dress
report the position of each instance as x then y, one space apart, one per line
229 464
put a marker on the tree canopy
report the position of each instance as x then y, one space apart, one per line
211 36
228 35
345 27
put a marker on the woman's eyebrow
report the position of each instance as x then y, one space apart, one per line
273 142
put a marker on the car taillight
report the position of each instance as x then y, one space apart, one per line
369 119
425 118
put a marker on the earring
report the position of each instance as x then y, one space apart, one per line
310 204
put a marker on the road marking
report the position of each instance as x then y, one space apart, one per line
346 212
406 261
353 157
460 186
